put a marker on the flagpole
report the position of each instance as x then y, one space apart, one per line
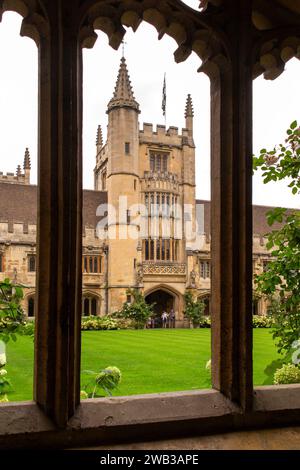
164 100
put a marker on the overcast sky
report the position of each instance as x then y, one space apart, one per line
276 103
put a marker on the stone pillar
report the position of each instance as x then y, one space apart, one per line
231 216
59 234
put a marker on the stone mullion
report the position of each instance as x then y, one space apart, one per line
59 279
231 218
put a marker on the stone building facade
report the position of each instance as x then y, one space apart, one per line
142 225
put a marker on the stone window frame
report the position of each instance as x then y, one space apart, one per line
205 268
57 418
88 261
31 263
160 156
90 298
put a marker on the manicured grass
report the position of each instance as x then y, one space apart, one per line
150 360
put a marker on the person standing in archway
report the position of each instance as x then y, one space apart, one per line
164 319
172 318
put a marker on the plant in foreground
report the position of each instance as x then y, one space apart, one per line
287 374
5 384
107 379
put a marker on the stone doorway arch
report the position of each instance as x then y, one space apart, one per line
163 299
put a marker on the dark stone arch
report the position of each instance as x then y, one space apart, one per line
192 31
35 23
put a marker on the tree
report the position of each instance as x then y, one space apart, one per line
281 280
194 309
11 313
138 311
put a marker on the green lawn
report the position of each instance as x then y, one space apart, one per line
150 360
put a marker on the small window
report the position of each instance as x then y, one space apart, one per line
134 185
31 263
205 269
265 265
128 298
103 181
128 216
1 263
127 148
92 264
134 263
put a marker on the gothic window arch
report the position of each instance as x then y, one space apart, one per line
90 305
31 263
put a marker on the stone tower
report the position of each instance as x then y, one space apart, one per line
122 183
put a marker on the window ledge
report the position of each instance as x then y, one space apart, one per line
153 416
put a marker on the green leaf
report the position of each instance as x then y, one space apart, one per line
293 125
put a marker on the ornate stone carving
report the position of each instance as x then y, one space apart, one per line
139 273
193 278
163 268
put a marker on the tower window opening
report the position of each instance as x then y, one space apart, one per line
31 263
127 148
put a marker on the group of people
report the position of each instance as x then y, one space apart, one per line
167 320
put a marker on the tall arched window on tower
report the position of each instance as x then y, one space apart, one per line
31 263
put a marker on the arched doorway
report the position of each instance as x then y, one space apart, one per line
31 307
163 301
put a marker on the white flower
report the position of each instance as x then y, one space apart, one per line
296 344
3 372
2 359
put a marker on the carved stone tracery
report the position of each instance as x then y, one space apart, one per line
163 268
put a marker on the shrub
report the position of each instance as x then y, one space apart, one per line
261 321
11 313
138 312
99 323
28 328
194 309
287 374
205 322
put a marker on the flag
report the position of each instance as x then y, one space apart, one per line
164 97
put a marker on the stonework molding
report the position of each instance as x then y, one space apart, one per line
186 26
163 268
